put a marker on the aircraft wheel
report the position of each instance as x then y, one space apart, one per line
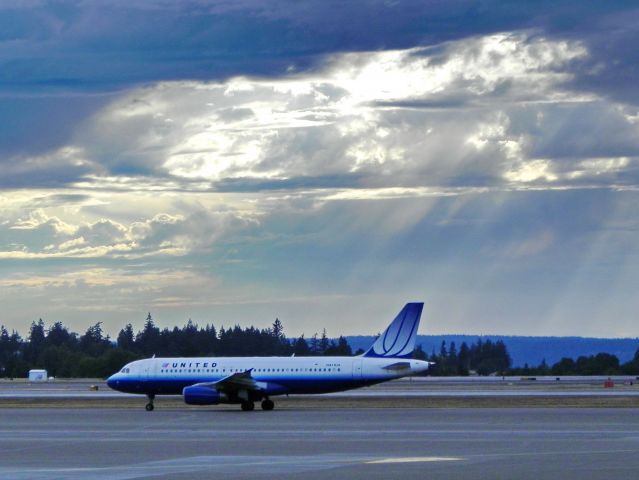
149 407
268 404
248 406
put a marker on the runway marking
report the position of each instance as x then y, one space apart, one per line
414 460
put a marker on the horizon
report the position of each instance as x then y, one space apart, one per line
114 333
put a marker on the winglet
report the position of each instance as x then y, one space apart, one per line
398 340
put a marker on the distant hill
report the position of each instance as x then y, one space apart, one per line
530 350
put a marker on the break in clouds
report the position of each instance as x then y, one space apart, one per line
493 113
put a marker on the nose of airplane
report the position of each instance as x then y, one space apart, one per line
112 381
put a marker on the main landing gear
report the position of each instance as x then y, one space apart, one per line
149 406
249 406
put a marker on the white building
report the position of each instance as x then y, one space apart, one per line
38 375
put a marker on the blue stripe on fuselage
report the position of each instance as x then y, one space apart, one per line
299 385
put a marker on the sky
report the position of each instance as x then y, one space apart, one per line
321 162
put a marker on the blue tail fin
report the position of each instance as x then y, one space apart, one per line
398 340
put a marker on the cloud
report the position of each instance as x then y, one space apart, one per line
105 293
59 64
359 122
40 236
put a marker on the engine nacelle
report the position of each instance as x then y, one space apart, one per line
200 395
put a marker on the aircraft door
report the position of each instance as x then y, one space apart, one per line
357 369
148 369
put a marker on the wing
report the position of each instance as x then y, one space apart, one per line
234 383
237 381
242 385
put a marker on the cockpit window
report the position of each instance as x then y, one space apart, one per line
124 370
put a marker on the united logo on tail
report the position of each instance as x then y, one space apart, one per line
398 340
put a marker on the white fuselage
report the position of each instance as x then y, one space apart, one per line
280 375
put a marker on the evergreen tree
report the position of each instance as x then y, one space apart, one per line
343 348
59 336
36 333
339 348
9 353
126 338
463 360
323 343
543 367
36 341
278 329
565 366
93 342
148 340
315 345
452 353
443 353
301 348
419 354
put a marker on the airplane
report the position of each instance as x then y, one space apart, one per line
246 380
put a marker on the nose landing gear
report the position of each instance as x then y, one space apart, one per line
268 404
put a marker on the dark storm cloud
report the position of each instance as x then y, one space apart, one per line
40 123
110 45
56 56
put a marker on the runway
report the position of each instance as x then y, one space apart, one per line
425 392
626 386
333 443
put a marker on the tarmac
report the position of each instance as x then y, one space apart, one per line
418 392
355 443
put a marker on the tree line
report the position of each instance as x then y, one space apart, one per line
483 357
492 358
94 354
599 364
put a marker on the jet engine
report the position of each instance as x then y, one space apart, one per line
203 395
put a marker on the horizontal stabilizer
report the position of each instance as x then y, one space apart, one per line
397 366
